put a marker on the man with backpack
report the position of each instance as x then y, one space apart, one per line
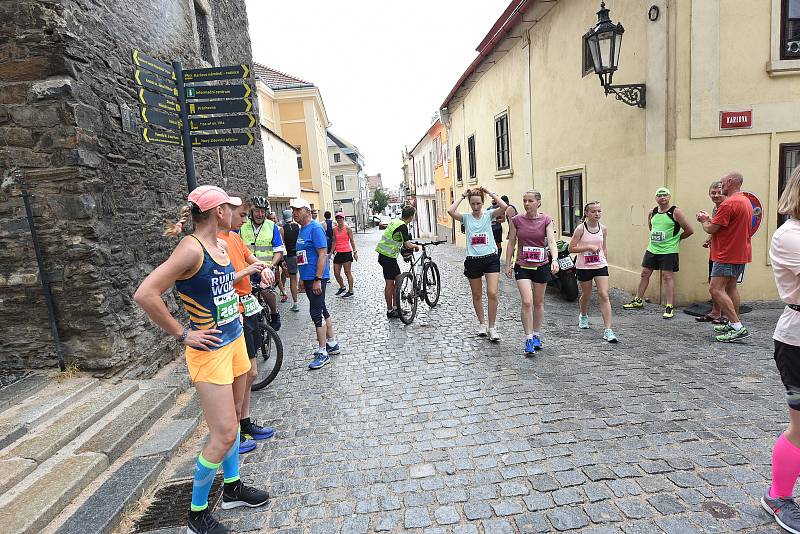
668 227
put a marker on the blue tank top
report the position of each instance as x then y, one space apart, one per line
210 300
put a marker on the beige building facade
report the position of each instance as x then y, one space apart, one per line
553 130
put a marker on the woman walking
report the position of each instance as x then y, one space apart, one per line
531 234
589 242
482 258
216 354
344 248
785 256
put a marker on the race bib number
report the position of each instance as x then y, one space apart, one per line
565 263
479 239
658 237
591 258
251 305
227 308
533 254
302 259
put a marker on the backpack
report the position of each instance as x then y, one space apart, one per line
671 214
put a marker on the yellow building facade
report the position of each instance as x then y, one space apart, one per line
573 144
443 181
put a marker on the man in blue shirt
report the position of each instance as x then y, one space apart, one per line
312 264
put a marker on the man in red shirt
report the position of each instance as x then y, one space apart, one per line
730 251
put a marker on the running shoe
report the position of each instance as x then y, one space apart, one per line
669 312
245 444
733 335
253 430
493 335
785 511
348 295
295 307
204 523
393 314
609 336
321 359
583 321
284 298
275 321
636 303
529 348
340 292
537 343
722 328
332 350
236 494
482 330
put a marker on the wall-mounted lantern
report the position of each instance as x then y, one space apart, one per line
605 43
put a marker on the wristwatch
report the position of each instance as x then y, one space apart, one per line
317 279
182 337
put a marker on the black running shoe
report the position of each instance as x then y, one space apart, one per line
394 314
340 292
204 523
275 321
237 494
348 295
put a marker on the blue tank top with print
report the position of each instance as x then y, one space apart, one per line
210 300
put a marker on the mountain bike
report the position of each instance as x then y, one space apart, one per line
270 354
422 280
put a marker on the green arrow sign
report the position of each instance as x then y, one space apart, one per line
222 123
157 101
233 139
212 107
153 65
147 79
161 136
229 72
219 91
159 118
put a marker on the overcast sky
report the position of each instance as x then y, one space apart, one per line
383 68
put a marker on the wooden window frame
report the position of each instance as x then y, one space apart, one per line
472 158
502 143
784 172
459 170
336 182
567 222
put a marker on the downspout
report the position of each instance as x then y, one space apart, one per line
529 101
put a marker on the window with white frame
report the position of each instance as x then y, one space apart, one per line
298 149
790 29
502 144
459 171
337 157
473 164
340 182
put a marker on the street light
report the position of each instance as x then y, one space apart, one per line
605 43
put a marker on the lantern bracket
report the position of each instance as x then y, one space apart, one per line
632 94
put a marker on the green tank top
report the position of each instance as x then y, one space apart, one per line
665 236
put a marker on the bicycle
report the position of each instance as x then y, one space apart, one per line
271 350
422 280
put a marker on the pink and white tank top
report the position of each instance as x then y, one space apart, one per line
589 259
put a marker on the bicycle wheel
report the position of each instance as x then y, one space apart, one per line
431 283
406 297
269 359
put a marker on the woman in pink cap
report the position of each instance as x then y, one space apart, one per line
344 248
216 354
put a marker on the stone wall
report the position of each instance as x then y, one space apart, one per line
101 194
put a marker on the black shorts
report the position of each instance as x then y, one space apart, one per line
391 269
540 275
787 359
253 337
661 262
475 267
343 257
586 275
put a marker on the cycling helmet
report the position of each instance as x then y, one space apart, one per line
260 202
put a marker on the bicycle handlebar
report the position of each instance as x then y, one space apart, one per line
429 243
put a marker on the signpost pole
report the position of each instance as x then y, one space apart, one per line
188 156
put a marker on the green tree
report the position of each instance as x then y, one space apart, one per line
379 201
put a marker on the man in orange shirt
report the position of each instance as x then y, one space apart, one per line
244 260
731 250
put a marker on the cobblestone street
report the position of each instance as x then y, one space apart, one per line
428 428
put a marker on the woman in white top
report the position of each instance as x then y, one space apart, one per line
482 258
785 256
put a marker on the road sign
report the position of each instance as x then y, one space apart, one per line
232 139
758 212
153 65
159 118
211 107
147 79
219 91
157 101
161 136
221 123
229 72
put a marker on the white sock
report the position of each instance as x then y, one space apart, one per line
332 341
736 326
529 336
537 334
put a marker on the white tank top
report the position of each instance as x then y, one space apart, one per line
589 259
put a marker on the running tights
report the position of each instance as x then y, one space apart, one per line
785 468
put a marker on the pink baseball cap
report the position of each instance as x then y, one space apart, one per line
339 214
211 196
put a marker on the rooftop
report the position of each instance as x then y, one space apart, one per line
277 79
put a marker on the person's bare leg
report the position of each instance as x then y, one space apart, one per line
337 273
586 296
526 311
538 306
669 287
388 294
293 287
476 286
241 394
644 281
720 295
348 272
602 295
732 289
219 411
492 283
251 375
272 301
329 333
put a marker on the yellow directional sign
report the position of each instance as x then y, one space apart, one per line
232 139
147 79
162 136
212 107
229 72
222 123
159 118
153 65
219 91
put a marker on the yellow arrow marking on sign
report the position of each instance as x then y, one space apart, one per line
249 103
136 76
252 121
144 116
246 71
247 90
144 134
136 56
251 138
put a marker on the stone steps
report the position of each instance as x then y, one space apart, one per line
79 434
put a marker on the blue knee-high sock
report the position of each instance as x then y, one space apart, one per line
204 472
230 464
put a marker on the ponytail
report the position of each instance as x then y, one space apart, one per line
172 229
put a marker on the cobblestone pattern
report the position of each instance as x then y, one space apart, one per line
428 428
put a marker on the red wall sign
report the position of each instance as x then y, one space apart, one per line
733 120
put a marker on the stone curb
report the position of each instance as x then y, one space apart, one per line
168 438
13 393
